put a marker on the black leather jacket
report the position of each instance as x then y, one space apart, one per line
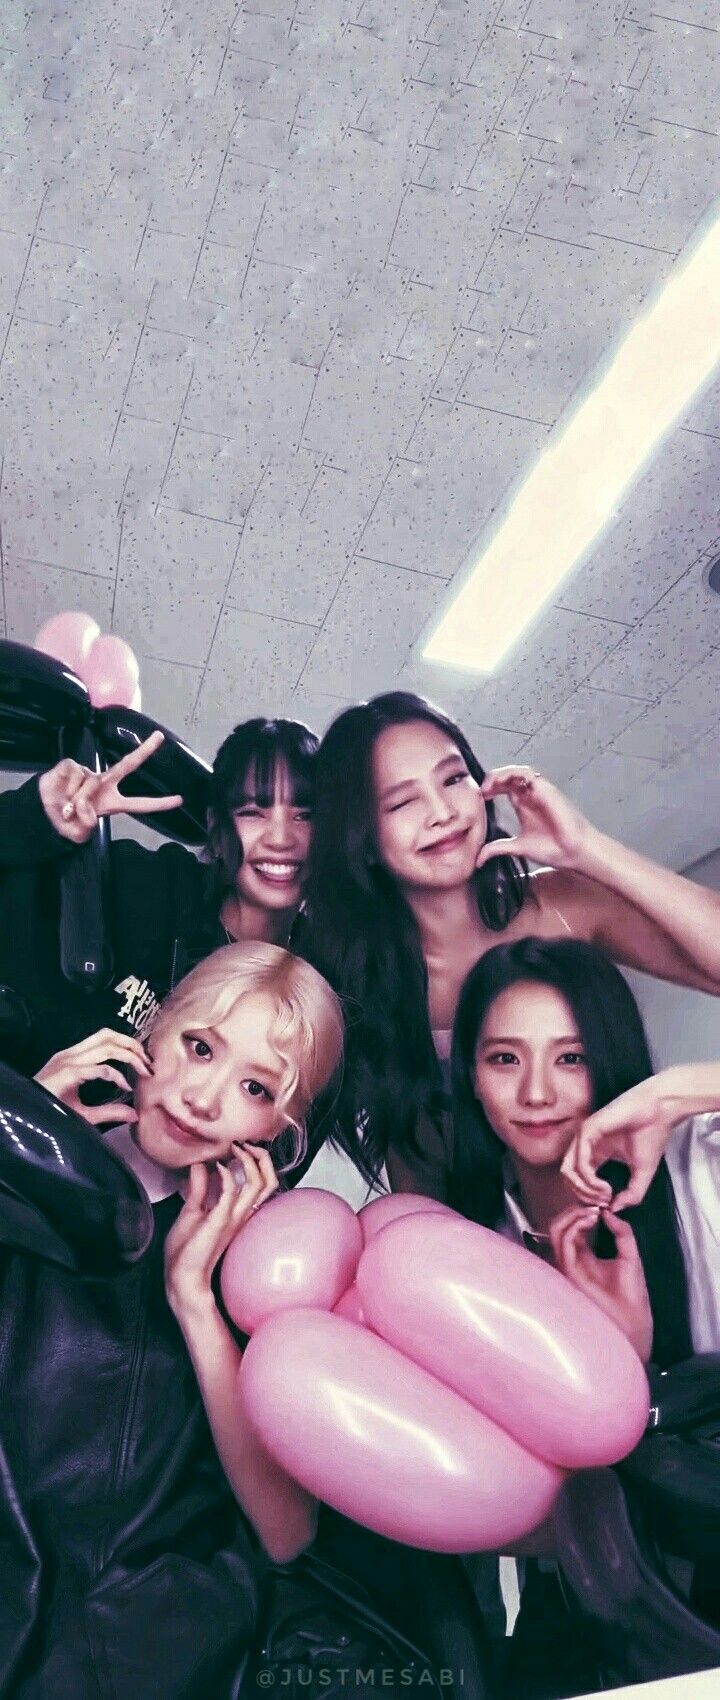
128 1571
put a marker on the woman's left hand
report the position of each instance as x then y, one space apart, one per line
203 1231
551 831
616 1284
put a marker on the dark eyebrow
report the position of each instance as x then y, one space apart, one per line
511 1039
400 784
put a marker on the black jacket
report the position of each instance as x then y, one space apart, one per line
161 916
128 1570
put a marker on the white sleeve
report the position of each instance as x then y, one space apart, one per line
693 1158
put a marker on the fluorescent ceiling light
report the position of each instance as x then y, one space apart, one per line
578 482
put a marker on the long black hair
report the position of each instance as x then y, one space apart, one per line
618 1057
361 933
245 770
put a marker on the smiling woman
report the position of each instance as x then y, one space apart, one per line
120 1425
411 880
166 909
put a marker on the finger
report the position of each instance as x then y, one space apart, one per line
589 1187
100 1114
144 805
569 1243
75 780
196 1194
625 1241
134 759
268 1175
105 1071
636 1188
502 780
110 1046
83 803
248 1160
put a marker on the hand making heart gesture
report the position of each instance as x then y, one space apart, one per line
551 831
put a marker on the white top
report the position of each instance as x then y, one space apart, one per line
693 1158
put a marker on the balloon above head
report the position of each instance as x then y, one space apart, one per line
300 1250
68 637
64 1195
111 672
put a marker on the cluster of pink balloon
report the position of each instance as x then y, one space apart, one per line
106 664
420 1374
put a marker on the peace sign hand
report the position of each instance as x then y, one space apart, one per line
75 799
551 831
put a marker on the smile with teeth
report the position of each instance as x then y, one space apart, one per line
283 872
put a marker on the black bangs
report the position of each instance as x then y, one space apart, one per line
259 782
247 765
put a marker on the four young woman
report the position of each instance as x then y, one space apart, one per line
388 837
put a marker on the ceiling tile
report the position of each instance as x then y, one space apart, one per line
169 691
34 591
689 708
254 666
189 561
371 625
558 653
678 632
583 725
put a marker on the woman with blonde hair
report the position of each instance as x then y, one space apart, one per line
132 1570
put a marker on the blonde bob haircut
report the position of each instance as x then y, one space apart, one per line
306 1031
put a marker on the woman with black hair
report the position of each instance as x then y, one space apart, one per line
167 909
546 1033
411 880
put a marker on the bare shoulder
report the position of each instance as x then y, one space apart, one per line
561 904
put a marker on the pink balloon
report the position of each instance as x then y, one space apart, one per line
111 672
300 1249
137 700
509 1333
382 1211
383 1442
68 638
350 1307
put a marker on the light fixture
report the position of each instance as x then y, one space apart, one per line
578 482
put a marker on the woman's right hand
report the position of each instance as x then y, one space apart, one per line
92 1059
74 798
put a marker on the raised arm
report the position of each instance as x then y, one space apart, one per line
635 1130
282 1513
643 915
45 818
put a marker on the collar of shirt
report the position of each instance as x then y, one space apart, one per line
516 1225
159 1183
